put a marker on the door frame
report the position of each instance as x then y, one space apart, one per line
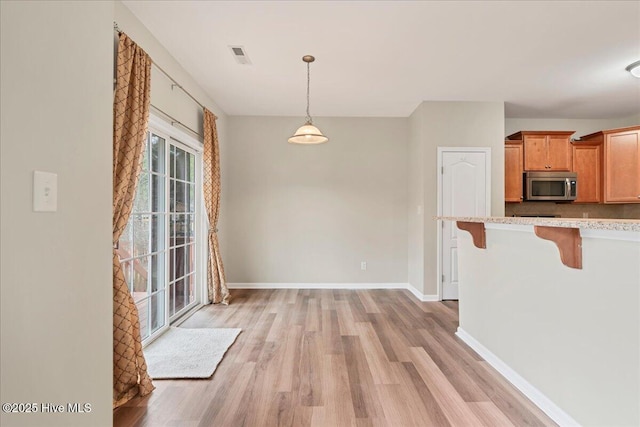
183 140
439 172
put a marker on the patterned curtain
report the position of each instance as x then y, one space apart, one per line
216 283
130 119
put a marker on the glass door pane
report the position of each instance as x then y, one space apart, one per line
157 249
182 230
142 246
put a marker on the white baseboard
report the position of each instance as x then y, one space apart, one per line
257 285
414 291
536 396
422 297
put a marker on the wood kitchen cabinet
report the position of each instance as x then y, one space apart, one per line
587 163
621 163
513 170
545 150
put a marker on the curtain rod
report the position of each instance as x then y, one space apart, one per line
174 121
175 83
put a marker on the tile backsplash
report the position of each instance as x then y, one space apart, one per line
573 210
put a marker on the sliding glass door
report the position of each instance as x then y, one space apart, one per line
181 241
158 247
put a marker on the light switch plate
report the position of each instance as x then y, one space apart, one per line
45 191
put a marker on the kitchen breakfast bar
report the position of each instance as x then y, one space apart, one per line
554 305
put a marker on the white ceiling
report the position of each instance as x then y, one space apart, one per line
547 59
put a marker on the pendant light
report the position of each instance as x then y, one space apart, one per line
308 133
634 69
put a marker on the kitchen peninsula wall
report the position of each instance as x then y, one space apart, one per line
573 210
532 317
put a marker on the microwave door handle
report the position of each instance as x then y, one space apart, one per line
567 183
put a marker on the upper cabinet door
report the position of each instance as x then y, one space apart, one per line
622 165
559 153
535 153
545 151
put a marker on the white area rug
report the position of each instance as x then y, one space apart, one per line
188 353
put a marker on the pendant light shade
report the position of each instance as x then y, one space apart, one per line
634 69
308 133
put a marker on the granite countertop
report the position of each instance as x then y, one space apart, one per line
584 223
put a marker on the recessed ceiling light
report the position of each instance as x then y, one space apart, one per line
634 69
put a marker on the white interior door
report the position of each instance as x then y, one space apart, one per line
465 191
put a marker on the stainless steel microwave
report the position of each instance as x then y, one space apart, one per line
554 186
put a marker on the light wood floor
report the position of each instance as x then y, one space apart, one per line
337 358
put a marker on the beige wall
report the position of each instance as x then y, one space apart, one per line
467 124
174 101
580 126
572 334
415 202
55 273
450 124
311 214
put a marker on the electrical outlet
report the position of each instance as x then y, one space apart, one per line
363 265
585 214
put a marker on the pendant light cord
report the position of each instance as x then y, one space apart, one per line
308 83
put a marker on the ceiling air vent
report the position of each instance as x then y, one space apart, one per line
240 54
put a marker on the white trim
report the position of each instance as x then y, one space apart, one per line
162 125
256 285
202 233
179 138
158 332
422 297
487 173
535 395
262 285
